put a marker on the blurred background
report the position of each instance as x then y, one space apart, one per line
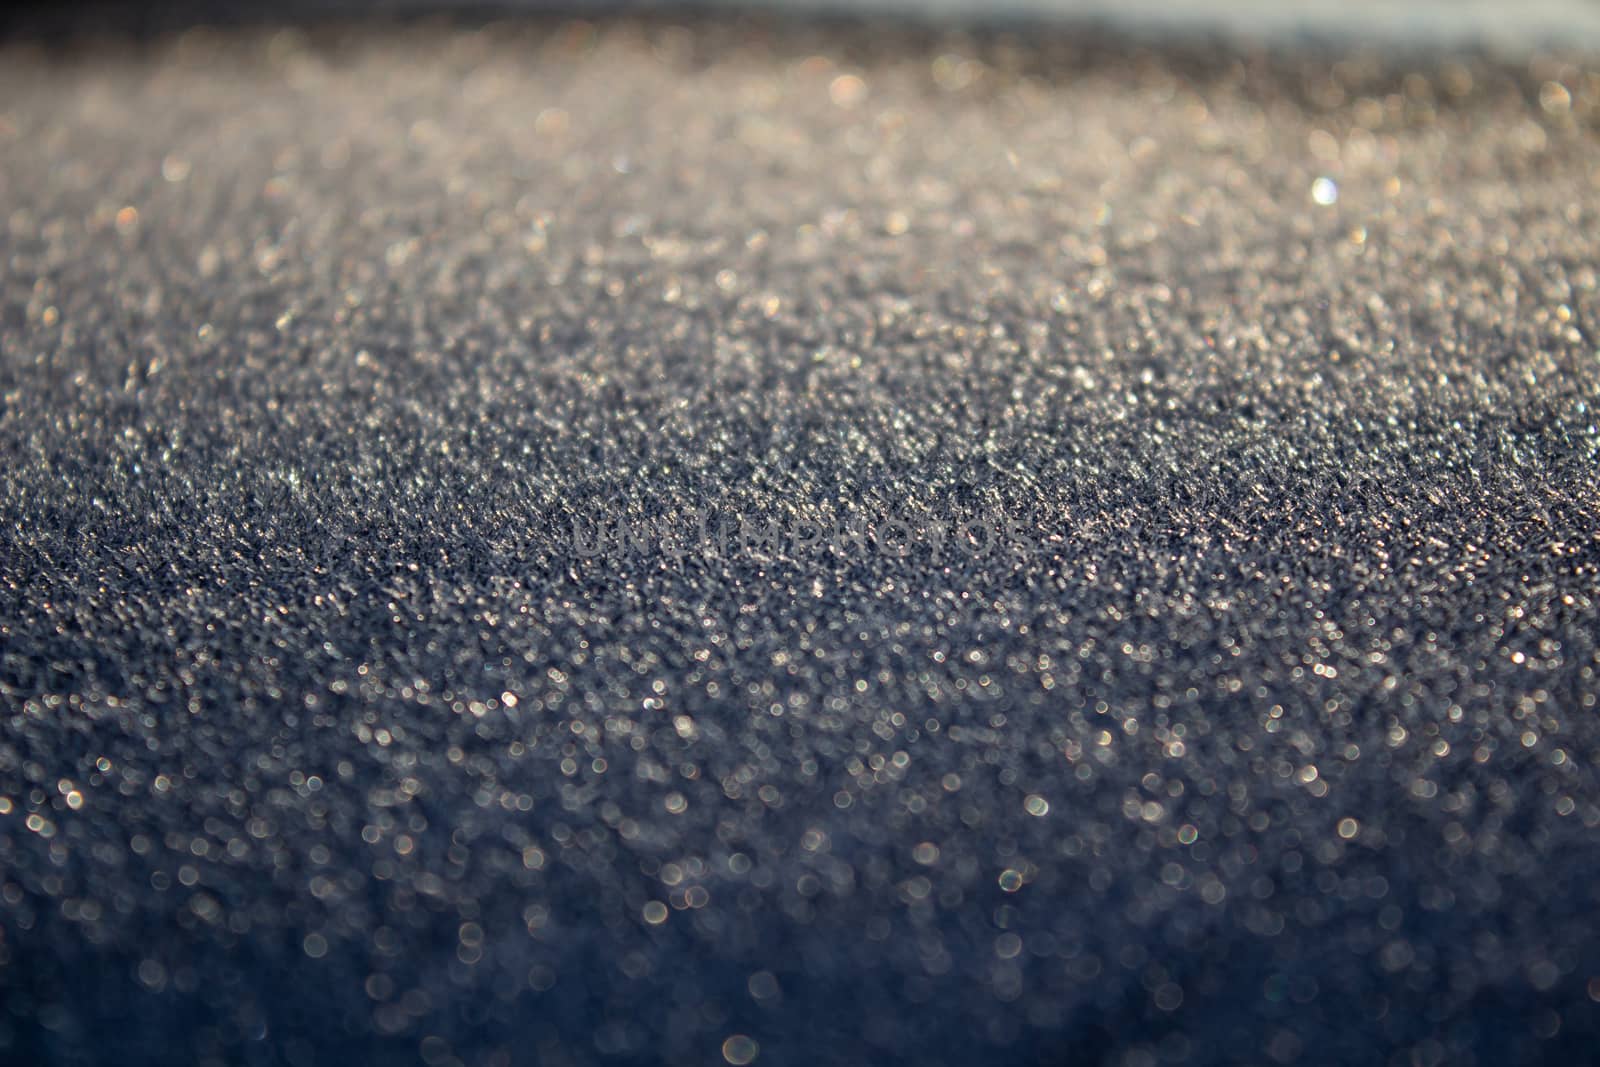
1495 25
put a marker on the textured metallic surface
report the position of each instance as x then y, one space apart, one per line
1264 728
